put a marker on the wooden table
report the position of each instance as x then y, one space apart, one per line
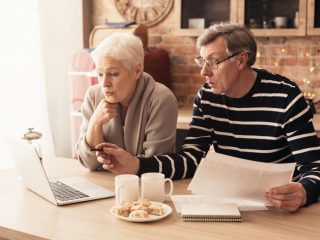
25 215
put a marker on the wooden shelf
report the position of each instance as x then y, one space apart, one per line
278 32
85 74
184 117
101 32
188 32
75 114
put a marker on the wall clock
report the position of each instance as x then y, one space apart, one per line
147 12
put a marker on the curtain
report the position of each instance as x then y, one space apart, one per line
23 101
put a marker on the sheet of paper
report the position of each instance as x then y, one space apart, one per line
243 205
222 176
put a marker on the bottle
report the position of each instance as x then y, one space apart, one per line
296 20
265 24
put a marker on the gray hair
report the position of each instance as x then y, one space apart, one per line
237 38
123 47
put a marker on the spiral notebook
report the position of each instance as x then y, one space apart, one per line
225 212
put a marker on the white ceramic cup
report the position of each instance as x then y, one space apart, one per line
280 22
126 188
153 186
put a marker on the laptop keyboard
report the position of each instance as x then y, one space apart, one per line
64 192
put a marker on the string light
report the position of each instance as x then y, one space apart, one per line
258 54
307 93
312 65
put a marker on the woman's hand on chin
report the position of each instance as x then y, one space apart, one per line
105 112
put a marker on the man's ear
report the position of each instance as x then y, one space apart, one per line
243 60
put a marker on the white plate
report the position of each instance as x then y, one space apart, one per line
166 212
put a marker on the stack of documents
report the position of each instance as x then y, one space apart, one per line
225 179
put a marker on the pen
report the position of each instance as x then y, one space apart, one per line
96 149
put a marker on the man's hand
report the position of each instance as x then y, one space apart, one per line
288 197
117 160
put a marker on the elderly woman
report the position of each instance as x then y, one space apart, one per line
128 108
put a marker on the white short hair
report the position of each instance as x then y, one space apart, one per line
123 47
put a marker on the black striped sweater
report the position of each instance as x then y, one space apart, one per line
272 123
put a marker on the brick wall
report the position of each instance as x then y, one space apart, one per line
298 58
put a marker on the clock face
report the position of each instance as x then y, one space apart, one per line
147 12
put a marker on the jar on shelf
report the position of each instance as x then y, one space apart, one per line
254 23
296 20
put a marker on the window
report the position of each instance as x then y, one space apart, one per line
22 100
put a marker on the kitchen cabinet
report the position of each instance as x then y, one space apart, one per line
259 16
313 20
301 16
192 16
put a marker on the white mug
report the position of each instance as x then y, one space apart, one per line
153 186
280 22
126 188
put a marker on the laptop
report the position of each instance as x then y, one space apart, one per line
58 191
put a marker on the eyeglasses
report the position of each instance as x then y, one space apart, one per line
213 63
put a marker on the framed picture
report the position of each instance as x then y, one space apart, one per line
198 23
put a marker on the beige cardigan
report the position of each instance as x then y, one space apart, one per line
150 124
